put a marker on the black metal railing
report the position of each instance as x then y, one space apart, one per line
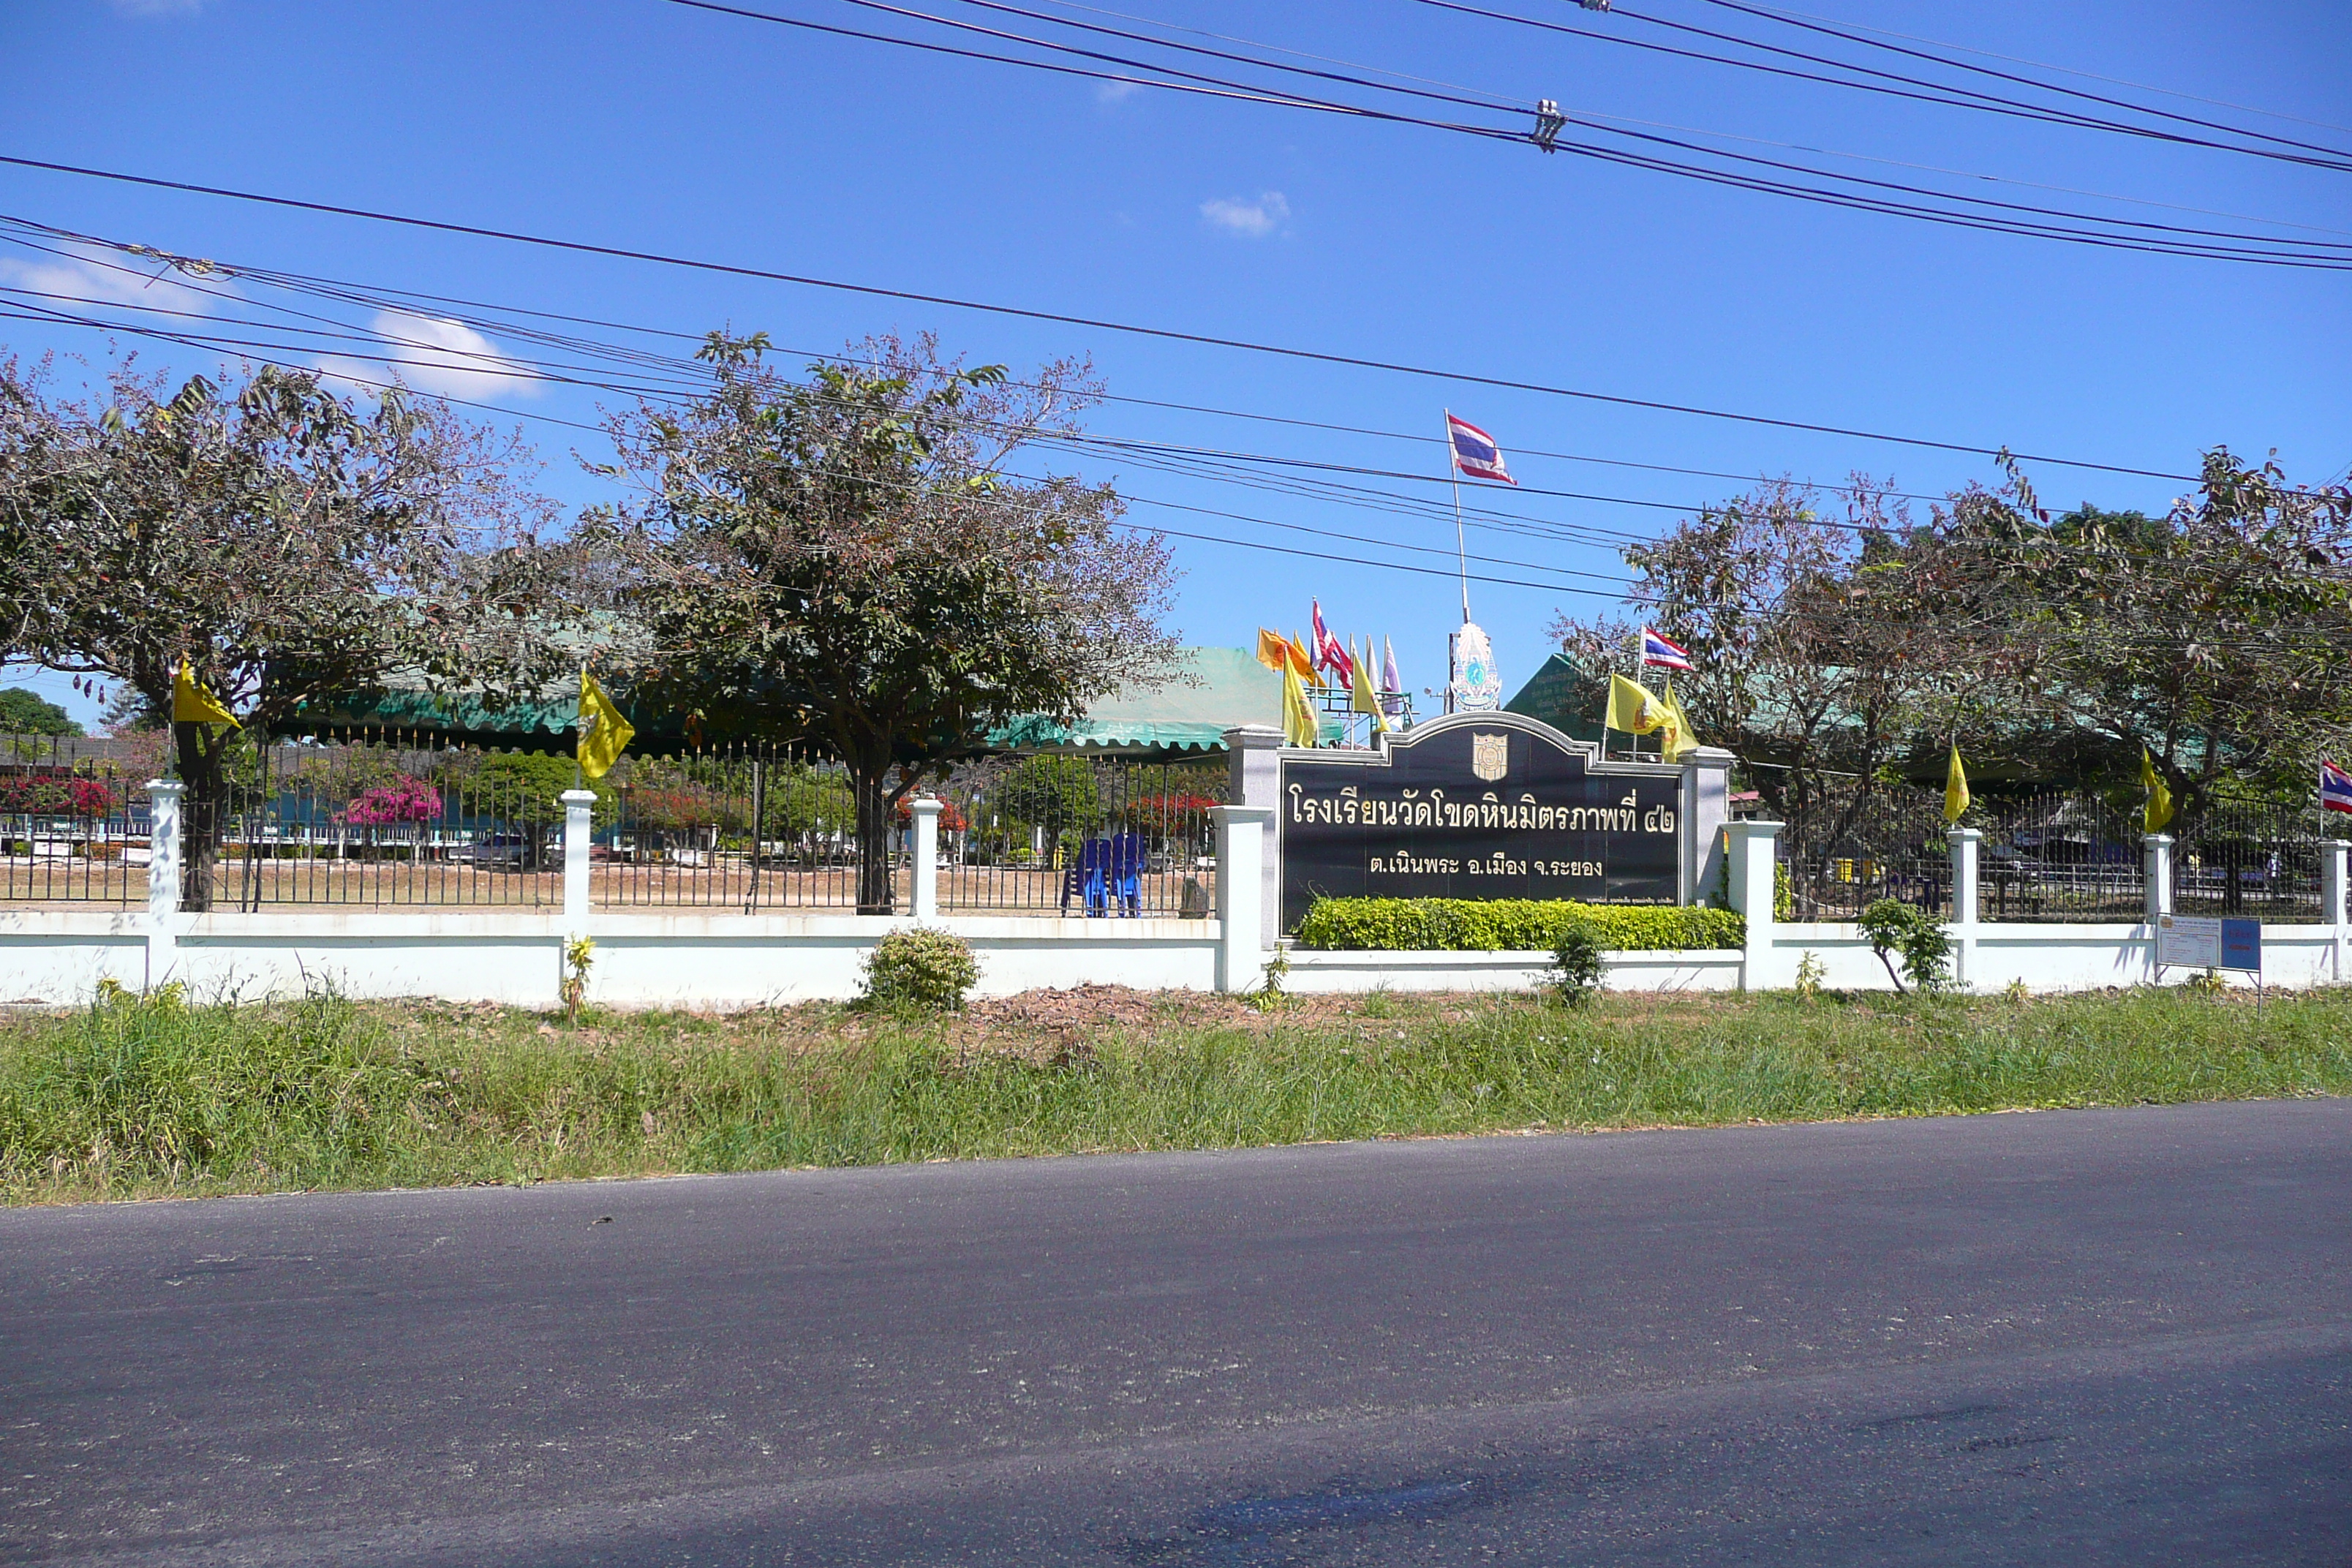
74 819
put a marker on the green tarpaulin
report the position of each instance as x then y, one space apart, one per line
1214 690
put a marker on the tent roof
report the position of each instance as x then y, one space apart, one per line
1214 690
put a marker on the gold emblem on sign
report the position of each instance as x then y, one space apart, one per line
1490 756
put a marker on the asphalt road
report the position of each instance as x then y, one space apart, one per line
2080 1338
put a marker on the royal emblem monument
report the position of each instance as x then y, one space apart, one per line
1481 806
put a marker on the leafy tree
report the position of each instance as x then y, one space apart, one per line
848 560
290 545
1051 791
24 711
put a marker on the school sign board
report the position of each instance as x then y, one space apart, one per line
2196 942
1477 806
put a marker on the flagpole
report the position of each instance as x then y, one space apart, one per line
1461 551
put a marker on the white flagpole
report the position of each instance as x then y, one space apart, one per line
1461 551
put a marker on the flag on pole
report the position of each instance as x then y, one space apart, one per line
1476 456
1663 652
1330 651
1391 689
1272 650
1679 740
2335 787
1956 787
1633 707
2160 795
1364 700
1303 661
191 704
1299 725
603 731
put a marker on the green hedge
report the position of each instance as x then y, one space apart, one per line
1515 925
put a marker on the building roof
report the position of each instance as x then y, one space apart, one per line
1214 690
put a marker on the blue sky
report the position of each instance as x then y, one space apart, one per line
648 125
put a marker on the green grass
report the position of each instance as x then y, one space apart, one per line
130 1098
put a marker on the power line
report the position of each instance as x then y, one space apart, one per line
1788 20
391 297
196 340
1944 93
1165 334
2069 70
2277 254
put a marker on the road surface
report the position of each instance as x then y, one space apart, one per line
2066 1338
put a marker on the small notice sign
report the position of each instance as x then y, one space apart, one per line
2197 941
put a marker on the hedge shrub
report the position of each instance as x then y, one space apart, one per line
1516 925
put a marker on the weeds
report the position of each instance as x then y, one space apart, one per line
134 1097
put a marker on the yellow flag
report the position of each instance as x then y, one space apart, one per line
1299 725
2159 796
1365 699
1304 663
1272 650
1633 707
602 730
191 704
1679 740
1956 788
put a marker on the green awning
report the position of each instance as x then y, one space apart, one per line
1214 690
1227 687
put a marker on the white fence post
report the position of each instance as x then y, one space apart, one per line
578 830
2331 901
1964 842
2157 892
1254 758
1706 806
163 839
924 898
1752 849
1241 892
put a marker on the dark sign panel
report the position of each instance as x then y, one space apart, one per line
1477 807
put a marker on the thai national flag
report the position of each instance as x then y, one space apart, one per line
1330 653
2335 787
1476 456
1659 650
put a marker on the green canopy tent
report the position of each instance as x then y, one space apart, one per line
1213 690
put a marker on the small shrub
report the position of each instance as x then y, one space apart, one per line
579 957
929 969
1576 965
1894 927
1810 971
1510 925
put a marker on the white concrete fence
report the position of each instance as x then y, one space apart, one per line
702 960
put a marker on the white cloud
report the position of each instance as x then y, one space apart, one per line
448 359
1116 91
156 7
108 278
1254 219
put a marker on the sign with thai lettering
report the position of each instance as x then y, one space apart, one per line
1484 806
2193 942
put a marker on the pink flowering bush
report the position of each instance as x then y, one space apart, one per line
34 794
405 799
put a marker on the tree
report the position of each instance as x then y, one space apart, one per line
847 559
2212 635
290 546
1813 655
24 711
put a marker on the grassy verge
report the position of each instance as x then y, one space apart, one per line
132 1099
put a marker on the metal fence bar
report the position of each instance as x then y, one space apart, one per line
73 820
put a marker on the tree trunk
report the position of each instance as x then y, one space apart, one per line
877 891
204 808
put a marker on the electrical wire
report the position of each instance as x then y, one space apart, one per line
2277 254
1165 334
1788 20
